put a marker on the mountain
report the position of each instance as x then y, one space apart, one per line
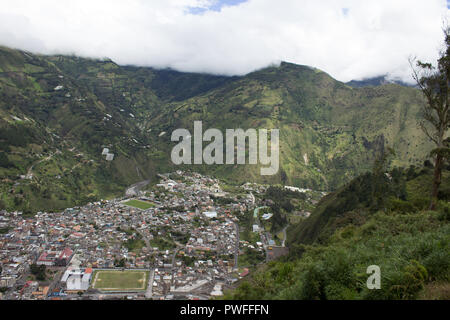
57 113
350 230
401 191
376 81
329 131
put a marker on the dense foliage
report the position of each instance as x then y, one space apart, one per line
410 244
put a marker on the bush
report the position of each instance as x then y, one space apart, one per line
4 162
407 284
438 263
421 203
312 285
444 212
38 272
401 206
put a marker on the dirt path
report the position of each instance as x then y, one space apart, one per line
29 174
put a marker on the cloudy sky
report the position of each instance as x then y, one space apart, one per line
349 39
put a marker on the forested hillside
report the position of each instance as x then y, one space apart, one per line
57 113
351 230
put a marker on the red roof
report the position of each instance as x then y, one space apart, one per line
66 253
244 273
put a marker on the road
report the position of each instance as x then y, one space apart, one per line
236 249
55 281
134 189
149 291
144 237
284 236
174 256
266 236
29 174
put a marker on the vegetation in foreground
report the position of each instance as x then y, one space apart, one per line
410 244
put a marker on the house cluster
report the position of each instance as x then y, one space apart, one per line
188 238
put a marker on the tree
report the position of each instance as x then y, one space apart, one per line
434 82
380 186
38 271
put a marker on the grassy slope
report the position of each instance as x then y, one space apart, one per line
65 131
409 244
340 129
353 203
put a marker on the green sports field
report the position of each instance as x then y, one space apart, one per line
117 280
139 204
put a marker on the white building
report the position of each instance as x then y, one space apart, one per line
210 214
77 279
217 291
267 216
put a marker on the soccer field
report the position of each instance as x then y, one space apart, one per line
112 280
139 204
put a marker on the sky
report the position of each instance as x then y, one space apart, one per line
349 39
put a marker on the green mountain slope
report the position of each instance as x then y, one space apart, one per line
329 132
403 190
331 250
54 127
67 109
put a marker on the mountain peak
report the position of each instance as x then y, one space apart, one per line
377 81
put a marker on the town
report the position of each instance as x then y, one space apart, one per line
179 239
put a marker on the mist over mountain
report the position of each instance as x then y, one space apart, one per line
377 81
349 39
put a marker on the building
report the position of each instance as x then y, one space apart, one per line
77 279
7 282
210 214
244 273
55 258
41 293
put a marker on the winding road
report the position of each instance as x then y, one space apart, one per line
29 174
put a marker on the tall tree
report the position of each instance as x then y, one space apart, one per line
434 82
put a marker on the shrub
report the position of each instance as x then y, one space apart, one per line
444 214
401 206
407 284
438 263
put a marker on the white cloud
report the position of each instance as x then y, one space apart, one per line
350 39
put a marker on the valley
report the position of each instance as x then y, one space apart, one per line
73 107
86 213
